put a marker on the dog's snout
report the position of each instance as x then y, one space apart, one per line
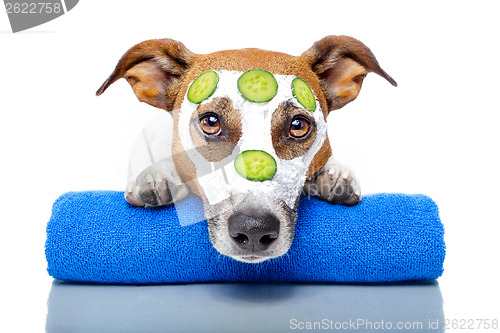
253 232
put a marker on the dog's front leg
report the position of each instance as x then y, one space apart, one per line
334 183
158 185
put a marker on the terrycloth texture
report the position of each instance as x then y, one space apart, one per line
99 237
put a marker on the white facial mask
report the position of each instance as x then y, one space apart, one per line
256 119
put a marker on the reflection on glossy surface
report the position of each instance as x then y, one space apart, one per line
234 307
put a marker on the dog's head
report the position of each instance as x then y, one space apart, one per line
247 143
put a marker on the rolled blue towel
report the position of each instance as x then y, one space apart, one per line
98 237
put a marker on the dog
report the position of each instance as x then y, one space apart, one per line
250 219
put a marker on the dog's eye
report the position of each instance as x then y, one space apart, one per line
299 127
210 124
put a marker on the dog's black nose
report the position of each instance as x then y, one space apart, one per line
253 232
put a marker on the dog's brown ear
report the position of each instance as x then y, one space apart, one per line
341 63
154 69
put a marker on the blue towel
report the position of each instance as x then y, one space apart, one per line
98 237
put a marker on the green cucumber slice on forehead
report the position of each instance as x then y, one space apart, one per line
303 93
255 165
203 87
257 85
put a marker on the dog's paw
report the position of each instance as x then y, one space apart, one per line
157 185
335 183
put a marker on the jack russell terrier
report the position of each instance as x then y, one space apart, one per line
261 117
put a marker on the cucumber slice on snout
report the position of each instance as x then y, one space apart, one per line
255 165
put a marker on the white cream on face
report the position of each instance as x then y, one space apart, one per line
256 119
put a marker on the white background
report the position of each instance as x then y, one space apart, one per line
436 133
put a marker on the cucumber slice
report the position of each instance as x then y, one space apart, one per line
303 93
255 165
257 85
203 87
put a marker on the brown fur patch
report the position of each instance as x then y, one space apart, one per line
342 62
325 53
343 82
217 147
155 69
285 146
320 158
148 82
